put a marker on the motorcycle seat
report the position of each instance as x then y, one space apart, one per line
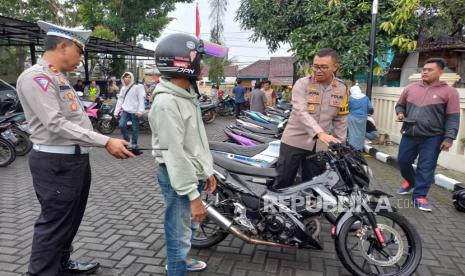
270 126
236 167
238 149
243 132
257 130
207 105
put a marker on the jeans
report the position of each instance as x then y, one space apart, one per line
123 126
289 161
427 149
371 135
178 226
239 107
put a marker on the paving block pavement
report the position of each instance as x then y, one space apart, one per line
123 225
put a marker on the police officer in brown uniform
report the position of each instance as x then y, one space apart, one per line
62 135
319 107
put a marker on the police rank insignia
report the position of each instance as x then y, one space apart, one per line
43 82
53 68
311 107
70 95
73 107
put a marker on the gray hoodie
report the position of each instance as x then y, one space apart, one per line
176 123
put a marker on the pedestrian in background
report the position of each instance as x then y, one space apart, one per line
430 112
239 97
270 94
359 105
258 99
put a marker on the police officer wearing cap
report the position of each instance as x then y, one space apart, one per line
318 117
62 135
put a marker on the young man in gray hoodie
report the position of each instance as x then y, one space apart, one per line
186 166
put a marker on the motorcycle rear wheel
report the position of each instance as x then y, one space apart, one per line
209 233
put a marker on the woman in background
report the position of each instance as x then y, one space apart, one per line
359 105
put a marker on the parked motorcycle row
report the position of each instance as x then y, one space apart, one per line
370 236
14 136
101 114
211 108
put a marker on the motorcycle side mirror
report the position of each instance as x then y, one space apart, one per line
79 93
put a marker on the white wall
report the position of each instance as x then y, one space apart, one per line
409 68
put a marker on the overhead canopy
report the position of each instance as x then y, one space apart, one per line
15 32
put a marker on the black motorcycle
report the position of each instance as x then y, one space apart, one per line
7 149
208 112
20 130
226 106
370 237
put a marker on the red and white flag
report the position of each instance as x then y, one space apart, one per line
197 21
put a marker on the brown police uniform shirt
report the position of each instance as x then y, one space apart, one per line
55 114
315 109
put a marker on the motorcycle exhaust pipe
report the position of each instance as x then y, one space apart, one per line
227 225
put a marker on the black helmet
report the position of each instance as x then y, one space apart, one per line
179 55
459 200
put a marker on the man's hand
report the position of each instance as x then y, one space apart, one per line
326 138
117 148
445 145
198 210
400 117
139 114
210 186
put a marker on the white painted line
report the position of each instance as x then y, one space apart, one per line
382 156
445 182
367 148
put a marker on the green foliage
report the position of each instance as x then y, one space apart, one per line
311 25
102 32
419 19
13 58
130 21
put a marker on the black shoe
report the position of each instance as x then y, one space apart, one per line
75 267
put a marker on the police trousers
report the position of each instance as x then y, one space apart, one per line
61 183
290 159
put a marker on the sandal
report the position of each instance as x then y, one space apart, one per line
191 267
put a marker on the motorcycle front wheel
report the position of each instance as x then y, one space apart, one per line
7 153
209 116
24 144
362 254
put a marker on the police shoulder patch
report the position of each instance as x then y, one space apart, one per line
43 82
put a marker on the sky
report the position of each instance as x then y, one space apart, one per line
241 50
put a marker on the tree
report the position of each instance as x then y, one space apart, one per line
56 11
216 65
415 21
311 25
131 21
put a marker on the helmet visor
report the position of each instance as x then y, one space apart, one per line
214 50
